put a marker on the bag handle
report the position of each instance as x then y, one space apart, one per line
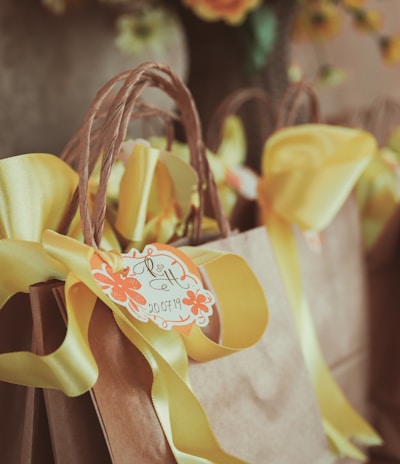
290 105
230 106
90 141
144 110
381 118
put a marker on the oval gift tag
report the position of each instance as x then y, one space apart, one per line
160 284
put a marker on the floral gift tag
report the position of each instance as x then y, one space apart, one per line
160 284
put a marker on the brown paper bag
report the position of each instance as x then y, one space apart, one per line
24 432
383 262
76 435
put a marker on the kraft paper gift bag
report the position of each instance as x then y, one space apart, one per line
308 174
378 200
257 400
267 386
334 279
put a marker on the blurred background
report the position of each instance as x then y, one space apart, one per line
56 54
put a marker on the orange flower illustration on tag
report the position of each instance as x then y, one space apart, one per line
121 287
160 284
197 302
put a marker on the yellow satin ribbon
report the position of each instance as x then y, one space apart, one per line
35 193
231 154
72 367
149 194
36 189
378 194
308 172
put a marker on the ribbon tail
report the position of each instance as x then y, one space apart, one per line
183 419
339 445
71 368
341 420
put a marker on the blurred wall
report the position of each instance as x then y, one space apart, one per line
368 77
51 68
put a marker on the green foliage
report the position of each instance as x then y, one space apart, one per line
258 35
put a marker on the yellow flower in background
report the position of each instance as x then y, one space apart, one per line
390 49
367 20
56 6
295 73
331 76
317 21
353 4
146 30
232 11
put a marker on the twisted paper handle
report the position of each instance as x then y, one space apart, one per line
291 103
144 110
379 119
91 141
230 106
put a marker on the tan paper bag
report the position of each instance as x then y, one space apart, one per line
257 400
334 279
263 395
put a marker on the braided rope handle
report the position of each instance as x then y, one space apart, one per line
291 104
90 141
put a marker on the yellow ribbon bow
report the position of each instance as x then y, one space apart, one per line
224 164
149 194
308 172
41 186
378 193
35 193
